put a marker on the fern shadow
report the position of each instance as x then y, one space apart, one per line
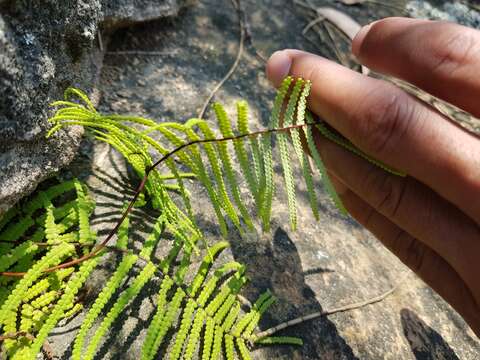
426 343
277 266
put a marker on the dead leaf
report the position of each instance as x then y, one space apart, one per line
344 23
341 20
352 2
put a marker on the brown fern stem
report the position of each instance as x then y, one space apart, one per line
140 188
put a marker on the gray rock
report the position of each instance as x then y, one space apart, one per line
125 12
43 50
449 11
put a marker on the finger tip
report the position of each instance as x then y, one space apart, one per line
359 39
278 67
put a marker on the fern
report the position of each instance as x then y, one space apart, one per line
35 303
41 233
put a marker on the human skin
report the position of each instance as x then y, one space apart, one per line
429 219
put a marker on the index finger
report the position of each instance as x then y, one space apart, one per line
390 125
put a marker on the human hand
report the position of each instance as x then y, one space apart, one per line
431 218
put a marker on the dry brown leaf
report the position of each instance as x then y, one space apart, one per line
352 2
344 23
341 20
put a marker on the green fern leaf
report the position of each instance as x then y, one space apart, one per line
126 296
267 151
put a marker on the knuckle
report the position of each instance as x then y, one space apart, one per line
454 52
414 253
384 116
387 192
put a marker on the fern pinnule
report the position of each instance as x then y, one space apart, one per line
205 266
184 265
7 217
242 349
51 258
231 287
234 286
166 322
222 146
267 153
51 193
229 347
14 232
131 292
208 338
64 304
211 284
258 312
312 147
16 254
83 209
156 323
217 342
251 176
285 154
301 154
185 324
213 157
105 295
231 317
247 318
194 337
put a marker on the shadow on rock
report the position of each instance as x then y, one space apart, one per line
426 343
277 266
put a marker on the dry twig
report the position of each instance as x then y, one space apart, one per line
236 4
327 312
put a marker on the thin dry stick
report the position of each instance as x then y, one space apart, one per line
16 335
232 68
139 52
301 319
139 189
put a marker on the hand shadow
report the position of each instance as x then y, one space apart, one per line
277 266
426 343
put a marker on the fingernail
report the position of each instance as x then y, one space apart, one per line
278 67
358 39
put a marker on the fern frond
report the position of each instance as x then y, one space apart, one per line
105 295
269 190
285 154
217 342
126 296
194 336
297 145
165 323
242 349
64 304
241 325
156 324
321 167
53 257
252 177
182 333
226 130
229 347
208 338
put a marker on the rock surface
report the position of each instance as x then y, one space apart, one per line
44 48
324 264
